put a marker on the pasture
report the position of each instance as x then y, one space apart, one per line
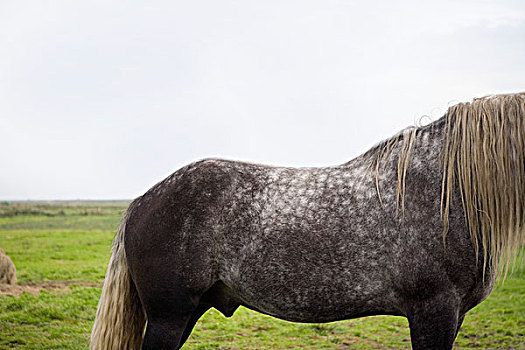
61 250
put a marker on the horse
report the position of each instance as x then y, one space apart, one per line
423 225
7 269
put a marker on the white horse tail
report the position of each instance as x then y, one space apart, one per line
120 319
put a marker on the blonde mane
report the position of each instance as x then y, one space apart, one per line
484 155
383 151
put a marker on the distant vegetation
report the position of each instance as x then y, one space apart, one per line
69 208
61 252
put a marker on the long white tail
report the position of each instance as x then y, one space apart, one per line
120 319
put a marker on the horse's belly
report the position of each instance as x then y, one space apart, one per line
324 308
314 295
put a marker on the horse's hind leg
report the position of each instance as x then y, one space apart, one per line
433 326
167 321
201 309
219 296
162 335
460 322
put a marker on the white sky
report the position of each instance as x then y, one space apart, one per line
102 99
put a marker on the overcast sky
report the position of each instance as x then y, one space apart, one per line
102 99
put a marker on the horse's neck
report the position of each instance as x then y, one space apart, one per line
427 148
406 165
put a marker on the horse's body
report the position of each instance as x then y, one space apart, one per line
302 244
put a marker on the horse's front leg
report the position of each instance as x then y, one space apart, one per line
434 323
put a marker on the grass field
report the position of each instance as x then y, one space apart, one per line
61 251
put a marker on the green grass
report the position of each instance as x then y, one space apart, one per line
59 319
63 255
72 242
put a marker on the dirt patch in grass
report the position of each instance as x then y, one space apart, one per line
35 288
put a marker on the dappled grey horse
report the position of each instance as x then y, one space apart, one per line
420 226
